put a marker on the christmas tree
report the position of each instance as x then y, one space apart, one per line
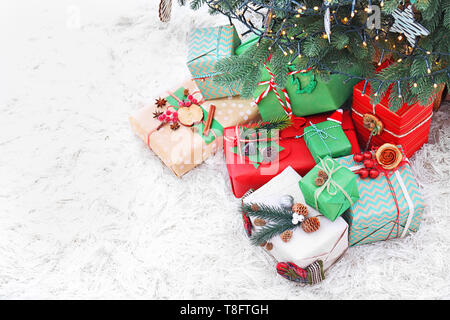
342 37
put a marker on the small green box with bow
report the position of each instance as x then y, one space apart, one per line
330 188
327 139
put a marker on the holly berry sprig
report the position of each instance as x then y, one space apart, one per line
369 163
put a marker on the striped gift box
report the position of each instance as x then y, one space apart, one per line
374 217
206 47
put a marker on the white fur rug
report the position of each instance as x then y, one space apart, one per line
87 211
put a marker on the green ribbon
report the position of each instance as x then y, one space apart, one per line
215 125
332 187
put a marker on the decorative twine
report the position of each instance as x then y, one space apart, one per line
331 186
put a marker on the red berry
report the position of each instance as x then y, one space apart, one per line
190 97
363 173
194 101
367 155
374 173
368 164
358 157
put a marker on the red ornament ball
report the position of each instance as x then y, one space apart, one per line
358 157
367 155
374 173
368 164
363 173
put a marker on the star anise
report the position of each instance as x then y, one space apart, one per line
160 102
174 126
156 114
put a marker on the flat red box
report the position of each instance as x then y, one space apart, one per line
409 126
244 176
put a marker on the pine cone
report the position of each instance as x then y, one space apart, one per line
286 236
311 225
319 181
269 246
322 174
186 92
300 208
255 207
259 222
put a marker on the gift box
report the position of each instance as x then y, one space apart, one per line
185 148
326 245
205 47
245 174
330 188
304 94
408 127
327 139
389 206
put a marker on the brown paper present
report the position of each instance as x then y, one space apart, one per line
185 148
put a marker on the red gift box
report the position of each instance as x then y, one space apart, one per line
408 127
243 174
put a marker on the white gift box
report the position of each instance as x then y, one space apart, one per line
328 243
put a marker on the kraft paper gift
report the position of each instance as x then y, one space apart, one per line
185 148
327 139
374 217
327 244
206 47
339 192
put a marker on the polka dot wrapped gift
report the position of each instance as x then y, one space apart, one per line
182 147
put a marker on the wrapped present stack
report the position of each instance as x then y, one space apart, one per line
318 167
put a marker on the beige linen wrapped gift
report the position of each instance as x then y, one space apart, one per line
185 148
327 244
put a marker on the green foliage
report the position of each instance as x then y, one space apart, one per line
345 50
279 220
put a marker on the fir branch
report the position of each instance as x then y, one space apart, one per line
272 213
269 231
280 123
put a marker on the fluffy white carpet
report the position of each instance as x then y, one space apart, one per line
87 211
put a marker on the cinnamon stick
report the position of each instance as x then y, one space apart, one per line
209 120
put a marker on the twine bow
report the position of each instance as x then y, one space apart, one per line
273 87
331 186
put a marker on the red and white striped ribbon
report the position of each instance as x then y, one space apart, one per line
272 86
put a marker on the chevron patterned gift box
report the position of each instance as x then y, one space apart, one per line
374 217
206 47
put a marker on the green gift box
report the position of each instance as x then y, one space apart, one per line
307 94
338 192
327 139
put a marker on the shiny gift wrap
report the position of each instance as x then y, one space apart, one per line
184 149
374 217
327 244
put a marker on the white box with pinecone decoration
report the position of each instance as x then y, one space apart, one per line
304 242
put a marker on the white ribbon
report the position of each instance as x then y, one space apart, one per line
411 208
330 183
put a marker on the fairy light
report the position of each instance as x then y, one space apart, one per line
363 92
400 38
316 8
399 89
381 57
378 89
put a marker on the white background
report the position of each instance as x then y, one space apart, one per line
87 211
